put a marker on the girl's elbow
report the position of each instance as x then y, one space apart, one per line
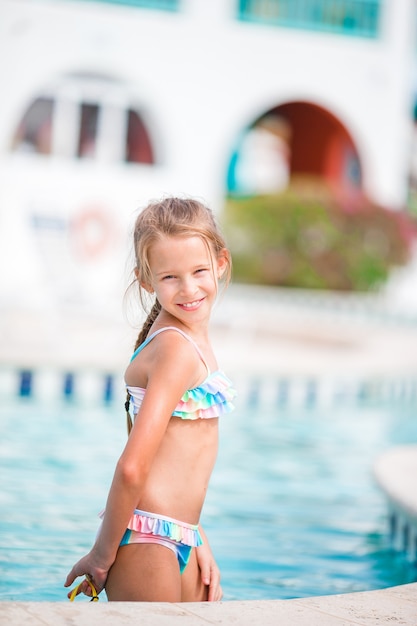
131 474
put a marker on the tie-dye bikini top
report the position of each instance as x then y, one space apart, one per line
214 397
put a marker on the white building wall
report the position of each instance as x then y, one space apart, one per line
202 76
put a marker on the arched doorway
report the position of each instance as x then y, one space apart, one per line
292 140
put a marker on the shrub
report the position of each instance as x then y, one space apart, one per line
314 238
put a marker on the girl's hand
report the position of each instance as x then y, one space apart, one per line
87 566
210 573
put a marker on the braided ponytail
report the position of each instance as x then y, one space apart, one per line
148 323
141 338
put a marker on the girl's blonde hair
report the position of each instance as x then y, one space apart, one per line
172 217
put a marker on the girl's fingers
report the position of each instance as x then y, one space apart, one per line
84 587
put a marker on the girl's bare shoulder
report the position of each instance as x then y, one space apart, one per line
168 355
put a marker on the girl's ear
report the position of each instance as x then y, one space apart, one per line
147 287
144 285
223 261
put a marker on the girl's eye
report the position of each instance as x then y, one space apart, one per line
202 269
168 277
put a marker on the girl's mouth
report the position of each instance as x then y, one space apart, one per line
190 306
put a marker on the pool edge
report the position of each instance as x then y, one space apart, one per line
365 608
394 472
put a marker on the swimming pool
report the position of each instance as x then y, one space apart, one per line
292 510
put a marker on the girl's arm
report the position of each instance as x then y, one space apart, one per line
166 384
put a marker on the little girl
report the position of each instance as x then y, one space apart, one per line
150 546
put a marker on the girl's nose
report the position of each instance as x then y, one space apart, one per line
188 286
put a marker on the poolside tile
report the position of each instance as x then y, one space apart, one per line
396 605
96 614
264 613
372 608
404 592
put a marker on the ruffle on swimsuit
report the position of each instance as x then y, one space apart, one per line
143 522
213 398
162 526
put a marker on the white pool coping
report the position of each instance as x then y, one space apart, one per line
395 605
395 472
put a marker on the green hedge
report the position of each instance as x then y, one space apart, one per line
309 237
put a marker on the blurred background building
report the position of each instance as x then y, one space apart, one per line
106 104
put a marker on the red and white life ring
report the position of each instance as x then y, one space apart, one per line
93 232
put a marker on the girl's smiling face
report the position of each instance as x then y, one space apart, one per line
185 276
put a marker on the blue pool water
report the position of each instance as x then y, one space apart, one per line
292 510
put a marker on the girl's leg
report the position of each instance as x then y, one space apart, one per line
192 587
144 572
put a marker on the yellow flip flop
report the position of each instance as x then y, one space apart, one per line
95 597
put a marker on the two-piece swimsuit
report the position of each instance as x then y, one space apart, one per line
212 398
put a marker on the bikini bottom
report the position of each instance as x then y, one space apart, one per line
180 537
